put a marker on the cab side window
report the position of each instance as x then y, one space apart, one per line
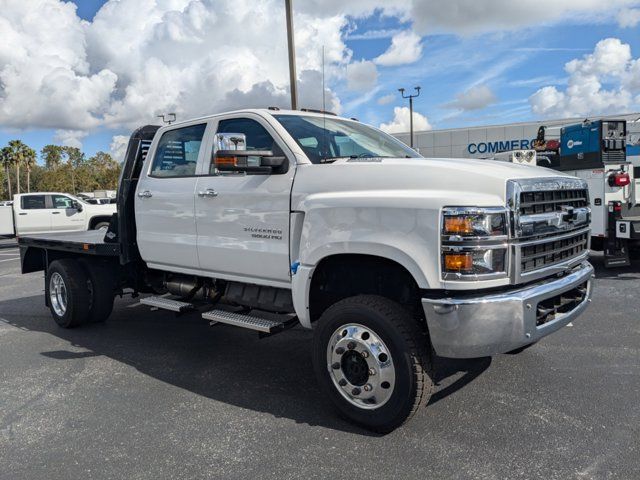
257 137
33 202
61 201
177 152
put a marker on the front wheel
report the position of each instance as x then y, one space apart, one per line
373 361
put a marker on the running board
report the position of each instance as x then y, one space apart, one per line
251 322
167 304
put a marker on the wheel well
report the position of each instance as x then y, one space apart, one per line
346 275
95 220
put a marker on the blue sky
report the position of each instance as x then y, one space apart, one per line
503 67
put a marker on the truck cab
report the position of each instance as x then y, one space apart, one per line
272 218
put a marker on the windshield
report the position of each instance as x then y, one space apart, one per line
325 139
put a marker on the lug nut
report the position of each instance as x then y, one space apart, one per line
355 391
368 387
342 382
351 345
339 350
365 354
336 366
372 371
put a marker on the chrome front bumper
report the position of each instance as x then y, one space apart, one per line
478 326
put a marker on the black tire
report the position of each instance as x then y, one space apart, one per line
408 344
100 225
77 295
103 282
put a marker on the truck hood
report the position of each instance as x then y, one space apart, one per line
445 180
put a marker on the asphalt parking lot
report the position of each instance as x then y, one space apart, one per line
152 395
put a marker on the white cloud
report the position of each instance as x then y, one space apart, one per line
361 75
472 16
604 81
137 59
629 17
386 99
405 48
70 138
475 98
118 147
400 122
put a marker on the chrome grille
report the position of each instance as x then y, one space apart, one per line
552 251
552 200
550 225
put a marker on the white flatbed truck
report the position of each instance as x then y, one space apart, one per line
276 218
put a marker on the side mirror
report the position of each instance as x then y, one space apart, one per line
249 161
77 205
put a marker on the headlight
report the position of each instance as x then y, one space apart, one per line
474 222
474 243
477 261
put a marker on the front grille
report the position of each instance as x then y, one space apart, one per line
552 251
617 156
552 200
549 309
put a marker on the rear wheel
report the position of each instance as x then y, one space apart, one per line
102 282
373 361
67 293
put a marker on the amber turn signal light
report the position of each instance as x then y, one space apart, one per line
458 262
458 226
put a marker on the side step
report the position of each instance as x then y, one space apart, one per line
167 304
248 321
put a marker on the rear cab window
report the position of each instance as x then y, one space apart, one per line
177 152
33 202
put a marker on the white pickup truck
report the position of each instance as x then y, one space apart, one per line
276 218
45 212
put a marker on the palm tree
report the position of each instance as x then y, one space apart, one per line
29 158
16 147
7 161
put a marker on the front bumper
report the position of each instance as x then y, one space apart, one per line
478 326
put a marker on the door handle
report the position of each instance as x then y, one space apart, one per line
145 194
209 192
22 214
55 213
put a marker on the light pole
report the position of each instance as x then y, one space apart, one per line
292 55
410 97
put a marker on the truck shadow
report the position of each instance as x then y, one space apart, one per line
226 364
632 272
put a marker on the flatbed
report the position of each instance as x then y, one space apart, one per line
90 242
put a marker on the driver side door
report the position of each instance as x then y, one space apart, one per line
243 226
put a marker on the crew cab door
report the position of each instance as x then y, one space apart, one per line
164 204
32 214
243 219
65 217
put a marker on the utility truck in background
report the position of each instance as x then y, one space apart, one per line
45 212
596 151
266 219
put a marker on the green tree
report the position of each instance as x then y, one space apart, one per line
7 163
29 159
52 156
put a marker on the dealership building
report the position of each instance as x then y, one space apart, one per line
482 142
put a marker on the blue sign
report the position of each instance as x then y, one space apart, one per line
499 146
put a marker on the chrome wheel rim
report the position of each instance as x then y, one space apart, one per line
58 294
360 366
